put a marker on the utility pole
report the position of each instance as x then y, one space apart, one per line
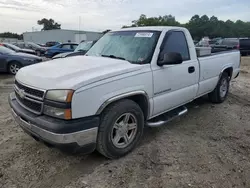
79 29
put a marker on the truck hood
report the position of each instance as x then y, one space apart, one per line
73 72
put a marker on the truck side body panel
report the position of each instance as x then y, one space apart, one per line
87 100
211 68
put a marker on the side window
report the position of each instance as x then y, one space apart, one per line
73 46
245 42
176 42
66 46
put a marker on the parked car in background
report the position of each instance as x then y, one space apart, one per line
33 46
17 49
42 45
11 61
226 44
60 48
81 49
245 46
51 43
214 41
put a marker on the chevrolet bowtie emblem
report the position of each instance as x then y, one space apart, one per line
21 93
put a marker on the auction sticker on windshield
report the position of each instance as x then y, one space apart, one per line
144 35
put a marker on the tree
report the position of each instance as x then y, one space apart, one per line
48 24
11 35
152 21
199 26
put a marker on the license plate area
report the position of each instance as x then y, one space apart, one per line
20 121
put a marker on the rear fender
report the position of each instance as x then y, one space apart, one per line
227 68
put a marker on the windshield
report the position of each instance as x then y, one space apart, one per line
13 47
34 45
5 50
134 46
84 46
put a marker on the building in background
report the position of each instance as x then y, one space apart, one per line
60 35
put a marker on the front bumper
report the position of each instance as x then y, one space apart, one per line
71 135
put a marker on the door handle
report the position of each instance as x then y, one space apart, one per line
191 69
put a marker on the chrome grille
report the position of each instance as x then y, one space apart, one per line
29 98
35 93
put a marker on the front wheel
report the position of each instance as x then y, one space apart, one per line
121 129
219 94
14 67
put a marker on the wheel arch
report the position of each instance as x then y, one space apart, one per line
228 70
139 97
13 61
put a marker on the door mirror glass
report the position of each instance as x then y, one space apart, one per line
171 58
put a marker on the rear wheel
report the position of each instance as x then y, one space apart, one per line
121 129
219 94
14 67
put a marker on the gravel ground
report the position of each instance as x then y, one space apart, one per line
208 147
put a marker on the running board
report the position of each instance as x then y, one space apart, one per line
167 117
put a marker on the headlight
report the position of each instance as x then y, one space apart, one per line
60 95
58 103
57 112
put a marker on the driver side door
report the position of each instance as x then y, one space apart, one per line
174 85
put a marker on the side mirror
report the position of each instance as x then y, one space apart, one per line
171 58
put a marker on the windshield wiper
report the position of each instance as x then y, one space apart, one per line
115 57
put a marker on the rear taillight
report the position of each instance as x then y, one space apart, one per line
238 46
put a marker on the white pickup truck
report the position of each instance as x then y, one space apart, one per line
129 79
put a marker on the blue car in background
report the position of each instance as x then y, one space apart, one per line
60 48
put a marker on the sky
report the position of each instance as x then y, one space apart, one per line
97 15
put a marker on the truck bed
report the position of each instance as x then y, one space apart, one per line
209 74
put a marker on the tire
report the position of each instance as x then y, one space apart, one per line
219 94
107 144
13 67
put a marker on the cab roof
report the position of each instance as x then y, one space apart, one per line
155 28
